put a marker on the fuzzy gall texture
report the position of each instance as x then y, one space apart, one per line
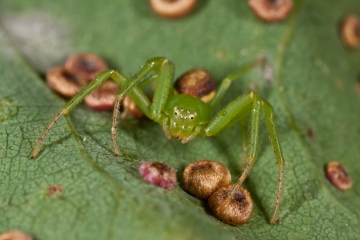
77 72
197 83
85 66
202 178
232 206
159 174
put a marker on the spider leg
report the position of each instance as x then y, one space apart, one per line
135 93
97 82
164 70
274 138
245 137
254 138
236 111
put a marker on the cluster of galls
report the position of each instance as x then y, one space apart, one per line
77 72
211 180
208 180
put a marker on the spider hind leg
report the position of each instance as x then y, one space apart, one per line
251 104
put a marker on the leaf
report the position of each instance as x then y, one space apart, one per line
313 90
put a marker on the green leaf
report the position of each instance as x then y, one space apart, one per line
313 89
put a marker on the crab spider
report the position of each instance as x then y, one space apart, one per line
185 117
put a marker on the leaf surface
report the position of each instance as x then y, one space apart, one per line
312 88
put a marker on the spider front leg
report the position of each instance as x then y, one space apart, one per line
163 69
236 111
161 66
274 138
96 83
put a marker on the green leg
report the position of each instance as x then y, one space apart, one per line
226 82
97 82
164 70
163 86
245 140
274 138
238 110
253 140
136 94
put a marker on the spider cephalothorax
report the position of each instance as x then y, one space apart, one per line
183 117
186 117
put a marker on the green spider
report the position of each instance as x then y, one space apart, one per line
185 117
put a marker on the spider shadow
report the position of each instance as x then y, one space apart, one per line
251 187
53 144
231 162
